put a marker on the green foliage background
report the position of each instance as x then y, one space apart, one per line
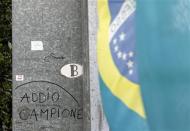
5 65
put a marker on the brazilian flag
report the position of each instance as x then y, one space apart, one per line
117 64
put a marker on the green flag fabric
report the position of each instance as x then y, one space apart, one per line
163 50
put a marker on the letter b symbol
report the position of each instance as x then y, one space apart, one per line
72 70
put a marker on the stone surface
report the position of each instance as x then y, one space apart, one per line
43 99
98 120
36 73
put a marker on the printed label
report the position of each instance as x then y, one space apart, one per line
72 70
37 45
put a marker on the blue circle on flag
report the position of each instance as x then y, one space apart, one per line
123 49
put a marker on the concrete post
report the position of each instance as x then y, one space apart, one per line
50 66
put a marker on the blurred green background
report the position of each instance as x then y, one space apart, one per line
5 65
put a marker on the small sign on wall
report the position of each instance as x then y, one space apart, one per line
37 45
72 70
19 77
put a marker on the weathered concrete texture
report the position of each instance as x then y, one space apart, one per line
86 64
98 120
46 100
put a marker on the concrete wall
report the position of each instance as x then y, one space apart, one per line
98 120
47 34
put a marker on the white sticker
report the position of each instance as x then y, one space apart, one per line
37 45
19 77
72 70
